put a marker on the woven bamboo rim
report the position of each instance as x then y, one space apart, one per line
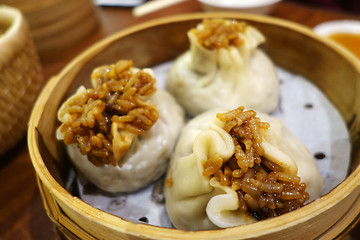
328 217
20 78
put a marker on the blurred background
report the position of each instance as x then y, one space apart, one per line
352 6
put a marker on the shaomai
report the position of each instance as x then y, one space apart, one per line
224 68
237 167
120 133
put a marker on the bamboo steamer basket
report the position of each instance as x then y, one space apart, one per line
296 48
57 24
20 76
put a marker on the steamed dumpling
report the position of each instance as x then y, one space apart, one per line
224 68
120 133
232 168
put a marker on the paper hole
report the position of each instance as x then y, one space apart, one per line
144 219
319 155
308 105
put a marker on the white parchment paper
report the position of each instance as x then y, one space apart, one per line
303 108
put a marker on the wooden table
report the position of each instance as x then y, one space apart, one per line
22 215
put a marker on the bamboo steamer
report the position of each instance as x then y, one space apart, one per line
57 24
20 76
293 47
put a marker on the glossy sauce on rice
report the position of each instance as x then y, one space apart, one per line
220 33
119 97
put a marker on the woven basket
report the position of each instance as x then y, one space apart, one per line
57 24
20 76
161 40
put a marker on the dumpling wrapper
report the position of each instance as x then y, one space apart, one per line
203 79
197 202
147 157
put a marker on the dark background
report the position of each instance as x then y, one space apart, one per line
350 6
